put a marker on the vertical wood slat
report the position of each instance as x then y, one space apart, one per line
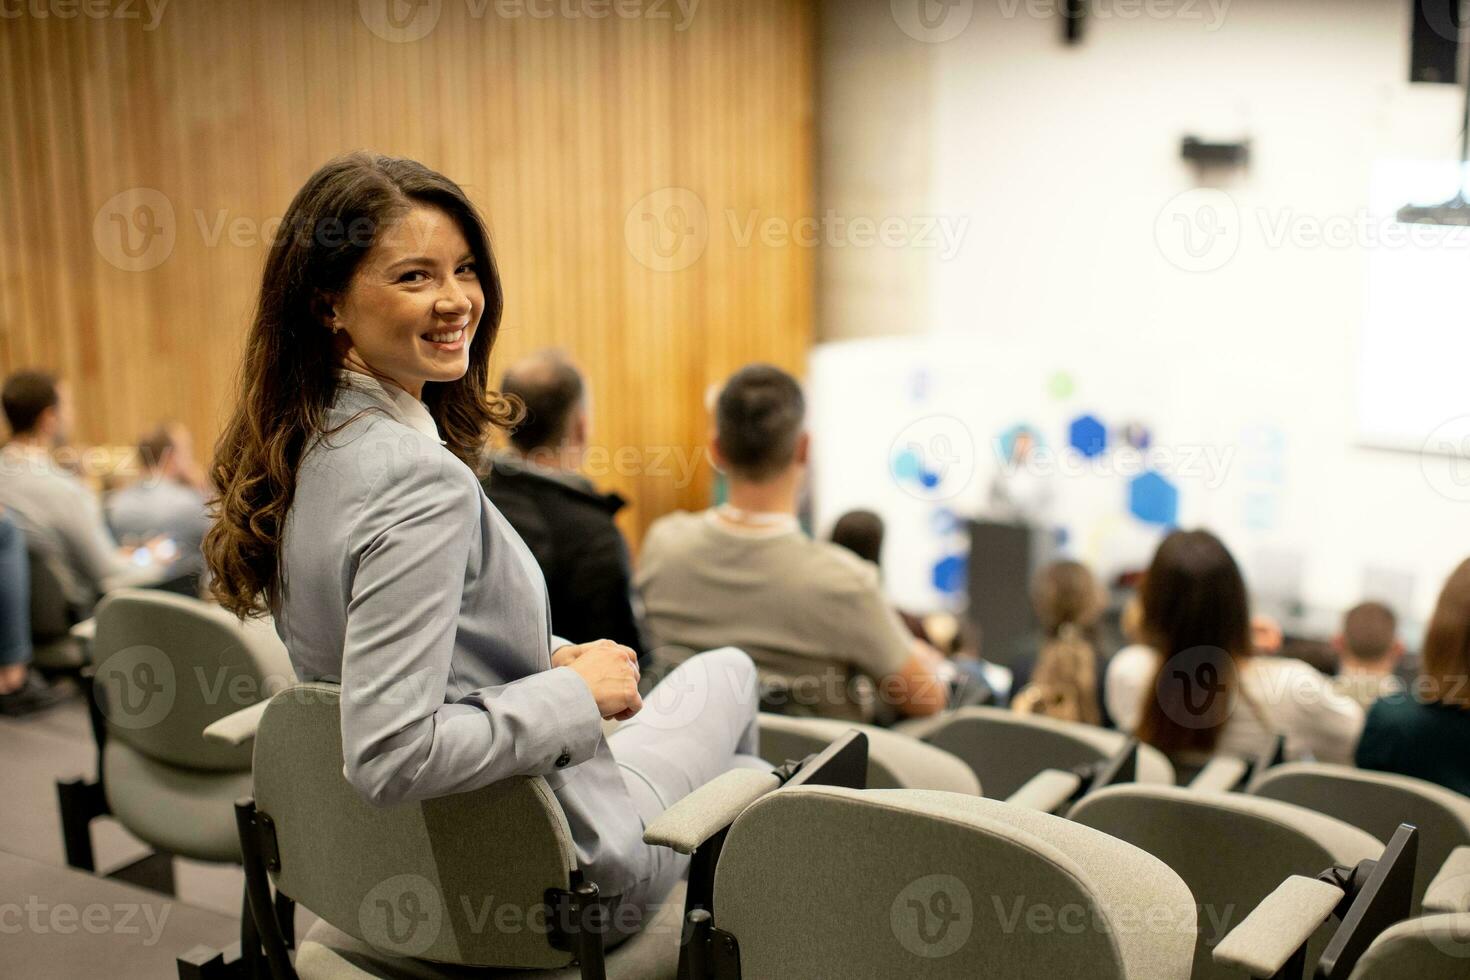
556 127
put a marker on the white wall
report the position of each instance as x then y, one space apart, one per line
1065 162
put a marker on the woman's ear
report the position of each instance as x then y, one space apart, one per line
323 308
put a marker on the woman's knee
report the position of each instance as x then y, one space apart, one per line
734 667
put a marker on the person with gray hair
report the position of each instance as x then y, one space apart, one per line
565 521
810 613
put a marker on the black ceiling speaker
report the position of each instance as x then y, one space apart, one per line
1204 154
1074 14
1434 47
1455 211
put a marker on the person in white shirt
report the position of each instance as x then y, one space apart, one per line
60 515
1195 686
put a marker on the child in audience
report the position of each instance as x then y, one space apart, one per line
1426 732
1064 680
1196 687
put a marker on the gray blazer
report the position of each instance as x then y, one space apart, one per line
403 583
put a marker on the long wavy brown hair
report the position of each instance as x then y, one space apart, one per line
1445 660
287 378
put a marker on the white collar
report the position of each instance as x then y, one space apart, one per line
400 404
751 524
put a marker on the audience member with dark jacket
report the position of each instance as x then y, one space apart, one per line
1425 732
564 520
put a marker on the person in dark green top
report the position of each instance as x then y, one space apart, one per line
1425 732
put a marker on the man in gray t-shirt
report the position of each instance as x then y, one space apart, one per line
810 614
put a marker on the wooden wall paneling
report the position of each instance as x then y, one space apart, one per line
556 127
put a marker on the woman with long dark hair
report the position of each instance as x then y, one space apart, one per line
1196 686
349 510
1425 732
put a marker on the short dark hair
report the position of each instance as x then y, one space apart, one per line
27 394
155 445
861 532
1368 630
551 388
758 421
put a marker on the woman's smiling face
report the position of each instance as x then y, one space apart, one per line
413 304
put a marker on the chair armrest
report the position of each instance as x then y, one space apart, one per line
1450 889
1046 791
1278 927
1221 774
708 810
86 630
239 727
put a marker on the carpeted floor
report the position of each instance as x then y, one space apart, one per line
57 922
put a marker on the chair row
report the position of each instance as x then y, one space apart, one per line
803 872
167 667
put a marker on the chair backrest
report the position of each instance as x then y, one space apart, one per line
1232 850
52 611
458 879
1006 749
168 666
1433 947
940 885
895 761
1377 802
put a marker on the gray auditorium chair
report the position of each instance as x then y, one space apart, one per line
1232 850
895 760
166 666
1374 940
54 648
441 888
1377 802
1006 749
830 881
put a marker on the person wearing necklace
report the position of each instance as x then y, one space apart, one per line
810 613
349 510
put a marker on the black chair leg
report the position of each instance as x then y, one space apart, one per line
286 917
81 802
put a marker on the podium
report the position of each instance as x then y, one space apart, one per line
1004 558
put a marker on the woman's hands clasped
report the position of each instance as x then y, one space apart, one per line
610 671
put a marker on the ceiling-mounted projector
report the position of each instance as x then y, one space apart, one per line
1455 211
